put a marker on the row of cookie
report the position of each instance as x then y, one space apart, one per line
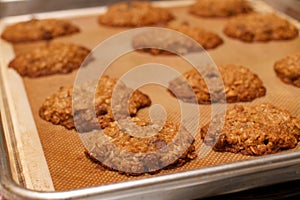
258 130
248 27
132 14
240 85
138 13
60 58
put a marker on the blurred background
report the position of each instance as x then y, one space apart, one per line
19 7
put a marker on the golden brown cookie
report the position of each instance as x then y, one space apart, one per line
58 109
38 29
135 14
260 27
167 41
240 85
288 69
48 59
258 130
147 154
220 8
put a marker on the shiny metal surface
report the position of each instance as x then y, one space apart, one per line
290 7
20 7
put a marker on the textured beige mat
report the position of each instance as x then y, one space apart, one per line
69 167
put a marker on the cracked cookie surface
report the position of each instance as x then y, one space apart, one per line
38 29
288 69
58 109
220 8
135 14
260 27
169 147
166 41
257 130
48 59
240 85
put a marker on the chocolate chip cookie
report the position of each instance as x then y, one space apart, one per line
135 14
260 27
166 40
288 69
38 29
48 59
258 130
240 85
57 108
169 147
220 8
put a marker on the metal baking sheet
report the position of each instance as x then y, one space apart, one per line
25 170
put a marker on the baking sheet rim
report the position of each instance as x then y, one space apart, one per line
84 12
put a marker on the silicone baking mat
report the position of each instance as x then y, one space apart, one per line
64 152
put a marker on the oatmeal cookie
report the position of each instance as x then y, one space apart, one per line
180 44
135 14
169 147
258 130
51 58
58 109
38 29
240 85
260 27
220 8
288 69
